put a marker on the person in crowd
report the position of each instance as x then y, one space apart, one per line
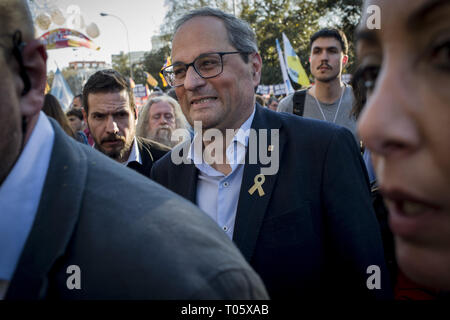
303 218
52 108
77 105
110 114
259 99
77 102
404 66
329 99
75 224
272 103
159 118
75 117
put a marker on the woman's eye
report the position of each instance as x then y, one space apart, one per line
441 55
369 76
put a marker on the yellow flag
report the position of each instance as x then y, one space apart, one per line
47 88
293 64
168 63
150 80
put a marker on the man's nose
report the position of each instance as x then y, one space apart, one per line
386 125
193 80
111 125
324 56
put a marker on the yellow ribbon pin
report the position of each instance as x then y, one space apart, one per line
259 180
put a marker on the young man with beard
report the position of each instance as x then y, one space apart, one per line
329 99
110 114
158 119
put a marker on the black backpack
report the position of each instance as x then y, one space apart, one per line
298 102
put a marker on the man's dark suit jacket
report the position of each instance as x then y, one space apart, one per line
314 233
150 152
131 238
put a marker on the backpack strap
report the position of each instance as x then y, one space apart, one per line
298 102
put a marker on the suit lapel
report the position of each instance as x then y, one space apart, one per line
146 156
183 177
184 181
55 220
252 208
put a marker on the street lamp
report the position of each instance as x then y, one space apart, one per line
128 41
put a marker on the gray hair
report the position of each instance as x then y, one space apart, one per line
240 34
142 124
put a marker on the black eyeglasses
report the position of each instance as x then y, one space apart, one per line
207 65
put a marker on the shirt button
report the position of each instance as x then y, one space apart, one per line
225 228
226 184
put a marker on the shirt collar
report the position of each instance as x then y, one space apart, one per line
240 139
135 155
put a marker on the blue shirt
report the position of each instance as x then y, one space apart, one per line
368 161
218 194
20 194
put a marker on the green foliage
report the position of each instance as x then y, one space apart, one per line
153 63
177 8
270 18
120 64
298 19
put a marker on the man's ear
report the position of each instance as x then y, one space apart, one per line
34 59
256 63
85 116
344 59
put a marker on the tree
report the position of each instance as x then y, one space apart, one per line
176 8
121 64
154 61
270 18
298 19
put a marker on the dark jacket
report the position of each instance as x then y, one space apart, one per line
150 152
131 238
313 234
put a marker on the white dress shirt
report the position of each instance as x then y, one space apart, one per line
218 194
20 195
135 155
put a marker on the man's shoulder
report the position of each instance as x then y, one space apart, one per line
152 144
286 104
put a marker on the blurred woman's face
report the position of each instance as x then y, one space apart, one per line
406 125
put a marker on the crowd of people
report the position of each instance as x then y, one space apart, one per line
336 192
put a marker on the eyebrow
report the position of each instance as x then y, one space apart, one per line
106 113
416 21
330 47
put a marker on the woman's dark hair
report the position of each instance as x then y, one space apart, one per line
53 109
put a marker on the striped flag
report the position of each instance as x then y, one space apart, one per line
293 64
61 90
168 63
151 80
287 83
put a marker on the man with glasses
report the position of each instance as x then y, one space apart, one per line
75 224
308 229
